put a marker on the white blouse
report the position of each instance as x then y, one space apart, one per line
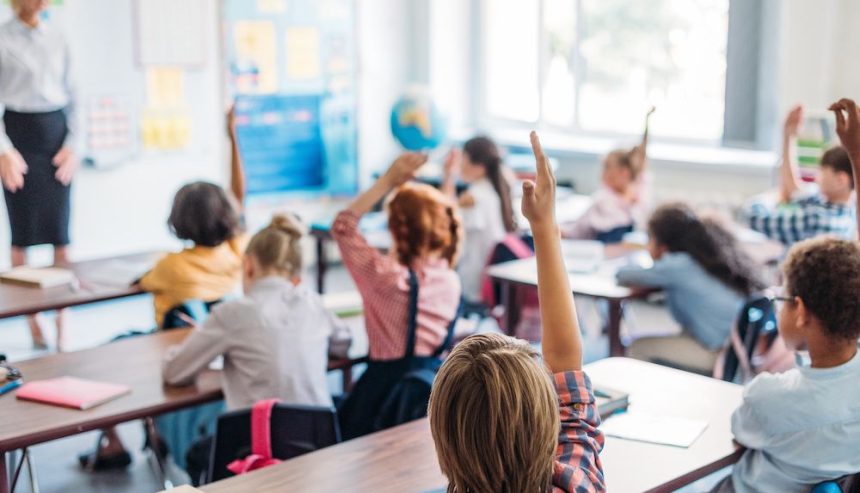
35 72
484 229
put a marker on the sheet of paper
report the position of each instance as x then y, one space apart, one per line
256 67
303 52
664 430
272 6
185 488
169 130
165 87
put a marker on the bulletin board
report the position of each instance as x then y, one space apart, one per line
291 66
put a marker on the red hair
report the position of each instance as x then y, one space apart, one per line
423 222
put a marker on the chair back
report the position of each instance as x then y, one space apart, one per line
197 310
295 430
756 320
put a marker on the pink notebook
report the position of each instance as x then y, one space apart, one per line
71 392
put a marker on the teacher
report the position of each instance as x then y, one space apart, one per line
36 158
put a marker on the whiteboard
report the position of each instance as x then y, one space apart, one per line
170 32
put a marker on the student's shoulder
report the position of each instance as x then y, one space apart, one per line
770 391
236 312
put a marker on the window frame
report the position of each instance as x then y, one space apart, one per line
751 22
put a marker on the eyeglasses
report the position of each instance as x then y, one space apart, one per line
779 301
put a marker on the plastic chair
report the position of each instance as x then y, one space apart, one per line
756 319
827 487
197 310
296 430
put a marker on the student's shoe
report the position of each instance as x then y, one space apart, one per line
92 461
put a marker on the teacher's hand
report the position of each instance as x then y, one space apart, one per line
66 163
12 170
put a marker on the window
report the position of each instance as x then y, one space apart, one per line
595 66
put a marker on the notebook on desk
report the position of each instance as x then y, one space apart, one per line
72 392
610 401
46 277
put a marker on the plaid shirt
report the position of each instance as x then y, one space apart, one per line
577 468
384 286
802 219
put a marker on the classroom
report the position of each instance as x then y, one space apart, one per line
426 246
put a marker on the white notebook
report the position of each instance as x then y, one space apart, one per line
45 277
663 430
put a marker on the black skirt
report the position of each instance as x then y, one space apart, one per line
39 212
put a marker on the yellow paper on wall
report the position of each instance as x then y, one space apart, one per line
256 57
303 52
165 87
272 6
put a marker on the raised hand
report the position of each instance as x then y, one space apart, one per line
793 121
453 163
539 195
231 121
404 168
12 170
848 127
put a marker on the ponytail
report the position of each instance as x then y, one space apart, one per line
278 245
483 152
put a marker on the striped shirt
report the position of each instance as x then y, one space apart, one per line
803 218
384 287
577 467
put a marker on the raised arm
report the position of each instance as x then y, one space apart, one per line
237 169
562 343
401 170
640 152
848 129
789 174
451 172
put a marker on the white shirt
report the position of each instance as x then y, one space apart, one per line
484 228
275 345
35 73
801 427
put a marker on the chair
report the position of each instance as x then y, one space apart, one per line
845 484
197 310
296 430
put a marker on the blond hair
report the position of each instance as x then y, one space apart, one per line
278 245
494 417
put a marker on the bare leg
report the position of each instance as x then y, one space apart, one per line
61 258
19 257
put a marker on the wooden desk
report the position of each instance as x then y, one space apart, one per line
598 284
94 277
135 362
404 458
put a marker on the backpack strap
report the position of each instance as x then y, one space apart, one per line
261 428
412 318
449 337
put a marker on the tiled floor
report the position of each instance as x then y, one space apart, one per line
56 461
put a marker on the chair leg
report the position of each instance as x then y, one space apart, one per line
31 470
160 467
18 464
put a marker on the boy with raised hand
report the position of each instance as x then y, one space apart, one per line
848 129
800 215
502 420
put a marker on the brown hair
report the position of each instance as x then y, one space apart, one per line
278 245
202 212
494 417
423 221
483 152
625 159
825 273
836 158
709 243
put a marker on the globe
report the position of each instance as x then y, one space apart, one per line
416 122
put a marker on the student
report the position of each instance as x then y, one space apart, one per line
274 340
205 215
500 421
801 214
425 230
620 205
706 276
486 207
802 427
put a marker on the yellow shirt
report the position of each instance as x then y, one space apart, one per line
197 273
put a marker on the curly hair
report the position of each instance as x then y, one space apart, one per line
494 417
825 273
711 245
423 221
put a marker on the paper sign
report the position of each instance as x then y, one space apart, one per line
272 6
164 87
303 52
256 65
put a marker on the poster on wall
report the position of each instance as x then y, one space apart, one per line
292 70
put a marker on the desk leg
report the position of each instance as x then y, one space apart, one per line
4 472
322 264
613 328
511 302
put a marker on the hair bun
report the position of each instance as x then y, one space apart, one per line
289 224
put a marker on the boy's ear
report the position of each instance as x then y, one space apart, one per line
802 314
248 266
